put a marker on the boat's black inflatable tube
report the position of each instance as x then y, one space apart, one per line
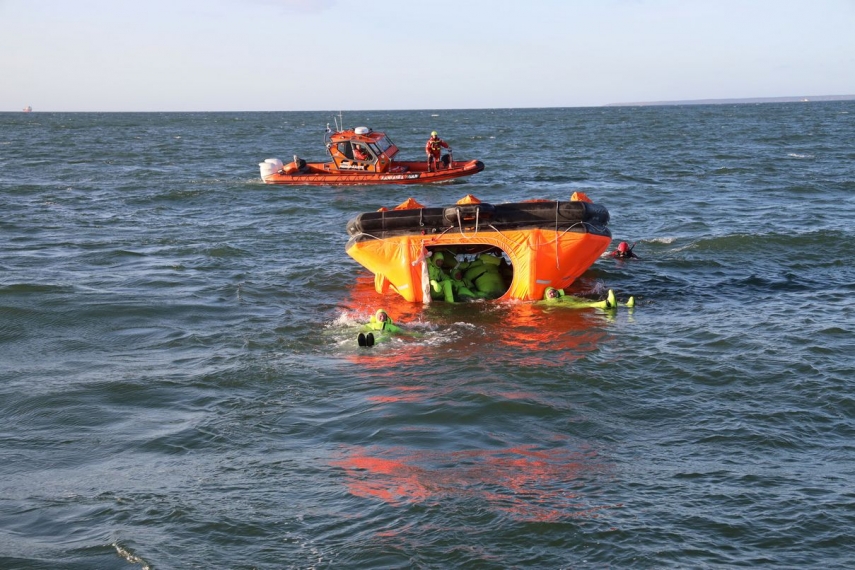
546 214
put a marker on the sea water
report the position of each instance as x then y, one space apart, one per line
181 387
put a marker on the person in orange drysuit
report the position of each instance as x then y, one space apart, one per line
433 149
359 153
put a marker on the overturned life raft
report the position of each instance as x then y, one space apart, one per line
541 243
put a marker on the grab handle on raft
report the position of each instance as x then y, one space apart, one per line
457 215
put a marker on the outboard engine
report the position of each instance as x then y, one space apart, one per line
269 166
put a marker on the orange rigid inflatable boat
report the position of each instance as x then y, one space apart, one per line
536 244
362 156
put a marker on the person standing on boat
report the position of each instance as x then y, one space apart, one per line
433 149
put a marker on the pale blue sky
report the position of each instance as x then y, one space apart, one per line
294 55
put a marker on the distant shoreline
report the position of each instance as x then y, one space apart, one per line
803 98
734 101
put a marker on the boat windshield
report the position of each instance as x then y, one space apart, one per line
383 144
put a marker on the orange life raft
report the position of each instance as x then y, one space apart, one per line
545 243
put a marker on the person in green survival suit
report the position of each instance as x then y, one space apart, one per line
557 296
380 326
381 321
484 276
446 280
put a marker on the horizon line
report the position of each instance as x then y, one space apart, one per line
731 100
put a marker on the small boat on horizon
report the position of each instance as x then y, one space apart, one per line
362 156
28 109
535 244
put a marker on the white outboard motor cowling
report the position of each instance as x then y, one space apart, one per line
269 166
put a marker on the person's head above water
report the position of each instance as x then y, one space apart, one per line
551 293
382 316
623 247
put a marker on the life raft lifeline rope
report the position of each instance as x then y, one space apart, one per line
371 236
445 231
557 239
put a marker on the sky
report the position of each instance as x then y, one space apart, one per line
313 55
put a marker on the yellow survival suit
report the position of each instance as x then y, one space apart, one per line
555 296
446 280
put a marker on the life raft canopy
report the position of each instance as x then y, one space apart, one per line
543 243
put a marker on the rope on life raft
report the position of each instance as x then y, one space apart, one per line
558 235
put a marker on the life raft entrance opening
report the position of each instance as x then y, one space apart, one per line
468 272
